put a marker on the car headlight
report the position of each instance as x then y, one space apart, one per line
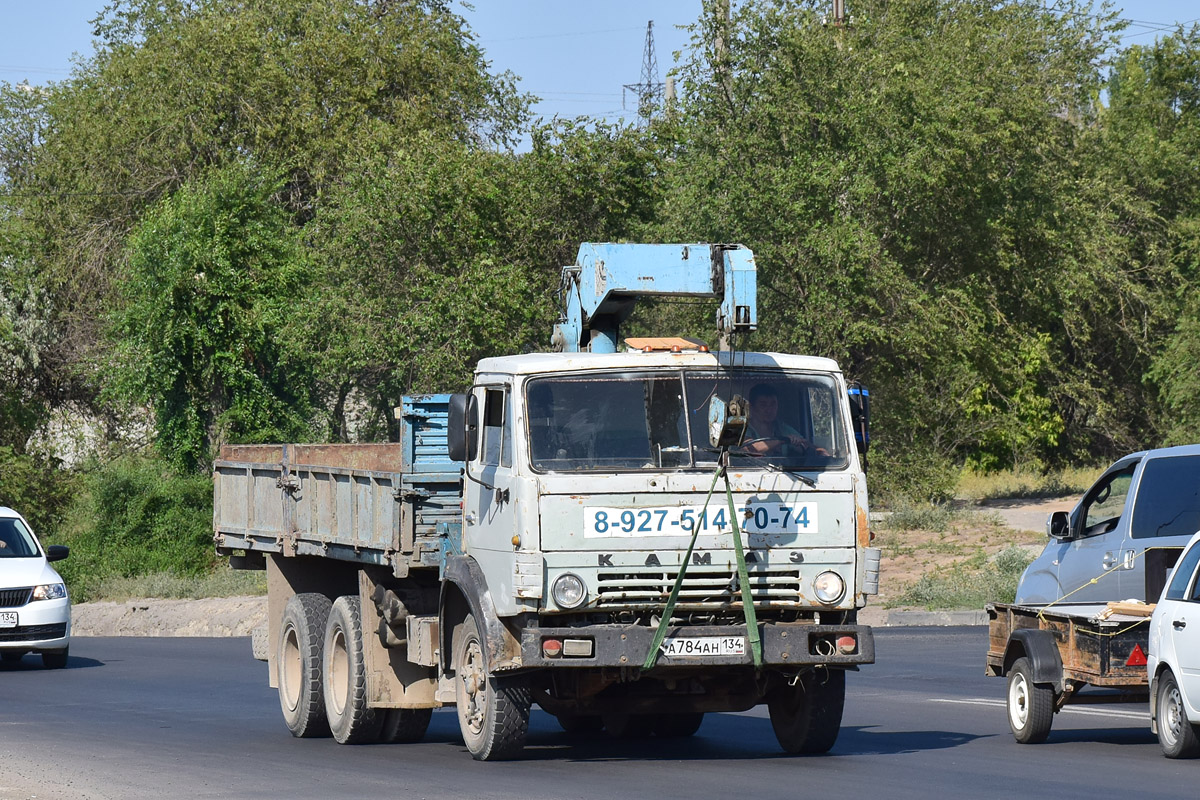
568 590
49 591
829 587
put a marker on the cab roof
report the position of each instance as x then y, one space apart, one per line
539 363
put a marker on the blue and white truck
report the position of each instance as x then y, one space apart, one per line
626 539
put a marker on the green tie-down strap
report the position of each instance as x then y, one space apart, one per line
743 581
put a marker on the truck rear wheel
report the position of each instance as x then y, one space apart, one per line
493 712
298 667
351 720
1176 734
807 717
405 725
678 726
1030 705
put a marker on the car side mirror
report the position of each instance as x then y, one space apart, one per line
57 552
1058 526
462 428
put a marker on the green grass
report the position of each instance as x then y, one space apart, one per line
971 583
223 582
1024 483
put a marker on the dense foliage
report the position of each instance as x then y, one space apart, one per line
251 220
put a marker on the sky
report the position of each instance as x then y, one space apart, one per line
574 54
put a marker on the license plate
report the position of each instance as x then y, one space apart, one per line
770 518
685 646
8 619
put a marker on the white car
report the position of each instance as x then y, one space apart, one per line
1173 660
35 611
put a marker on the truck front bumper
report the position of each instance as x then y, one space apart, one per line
784 645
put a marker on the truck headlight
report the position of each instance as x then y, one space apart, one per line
568 590
49 591
829 587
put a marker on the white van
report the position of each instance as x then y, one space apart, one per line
1126 532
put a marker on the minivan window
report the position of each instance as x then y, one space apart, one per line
1106 502
1183 573
1168 501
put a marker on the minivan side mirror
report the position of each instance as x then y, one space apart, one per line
57 552
860 415
1058 526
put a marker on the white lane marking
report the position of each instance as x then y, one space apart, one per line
1094 712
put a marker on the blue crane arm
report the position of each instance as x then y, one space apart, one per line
602 287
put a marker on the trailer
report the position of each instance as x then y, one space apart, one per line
1050 652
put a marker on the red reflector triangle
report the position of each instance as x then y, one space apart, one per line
1137 658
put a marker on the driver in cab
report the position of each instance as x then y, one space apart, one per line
765 433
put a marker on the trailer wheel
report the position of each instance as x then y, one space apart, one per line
1030 705
1176 734
298 668
493 712
678 726
405 725
807 717
351 720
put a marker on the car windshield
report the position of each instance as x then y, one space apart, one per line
629 421
15 539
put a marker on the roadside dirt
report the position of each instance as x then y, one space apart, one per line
907 555
991 527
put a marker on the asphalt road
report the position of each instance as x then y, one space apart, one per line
194 718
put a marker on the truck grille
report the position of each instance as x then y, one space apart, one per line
702 588
12 598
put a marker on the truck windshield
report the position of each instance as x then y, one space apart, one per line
629 421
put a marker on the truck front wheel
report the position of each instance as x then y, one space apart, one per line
350 718
298 666
1030 705
807 717
493 712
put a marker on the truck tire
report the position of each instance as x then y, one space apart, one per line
298 667
1176 734
1030 705
259 644
351 720
807 717
493 712
677 726
628 726
405 725
580 724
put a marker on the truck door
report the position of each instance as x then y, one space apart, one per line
490 514
1099 527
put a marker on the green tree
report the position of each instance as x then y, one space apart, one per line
213 271
913 190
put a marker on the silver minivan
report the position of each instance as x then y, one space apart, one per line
1123 537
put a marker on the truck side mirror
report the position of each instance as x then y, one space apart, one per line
462 431
1058 526
860 415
